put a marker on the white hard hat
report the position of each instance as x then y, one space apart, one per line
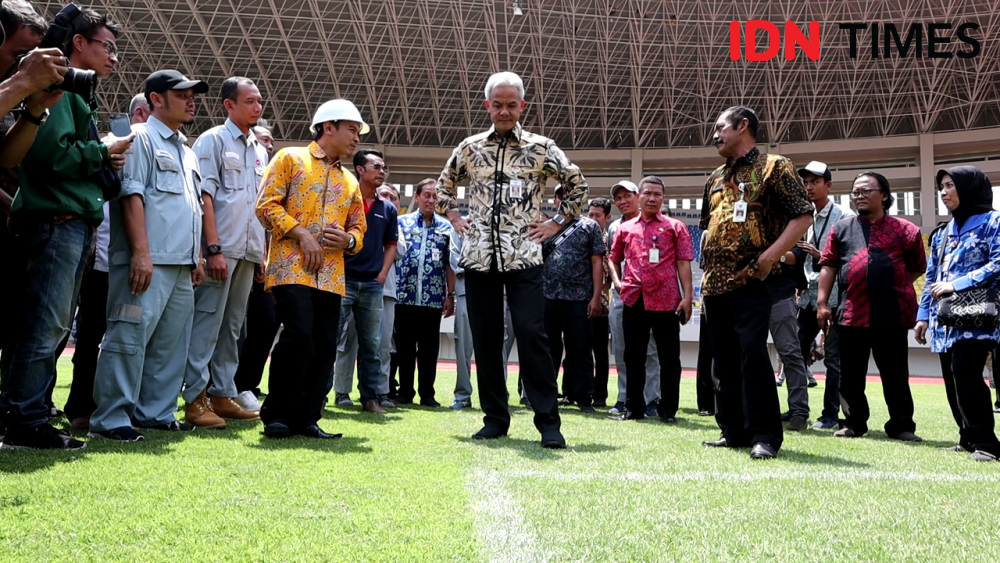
338 110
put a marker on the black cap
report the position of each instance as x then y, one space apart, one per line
163 80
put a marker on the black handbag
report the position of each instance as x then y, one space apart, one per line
975 307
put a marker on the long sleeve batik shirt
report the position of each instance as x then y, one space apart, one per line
507 176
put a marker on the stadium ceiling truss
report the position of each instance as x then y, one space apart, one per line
599 73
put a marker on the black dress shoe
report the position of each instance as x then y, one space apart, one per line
588 409
668 420
553 440
489 434
720 443
314 431
628 415
429 403
761 450
786 416
277 430
706 413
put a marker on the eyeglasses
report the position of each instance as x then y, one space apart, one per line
379 166
111 48
858 194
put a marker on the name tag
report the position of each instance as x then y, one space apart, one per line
654 255
231 154
435 255
740 212
516 189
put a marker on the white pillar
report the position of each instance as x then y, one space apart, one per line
928 196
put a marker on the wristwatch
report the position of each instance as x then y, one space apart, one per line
352 244
783 258
213 249
38 121
559 220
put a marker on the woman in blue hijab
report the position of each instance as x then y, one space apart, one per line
965 255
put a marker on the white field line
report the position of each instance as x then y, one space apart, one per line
729 476
505 535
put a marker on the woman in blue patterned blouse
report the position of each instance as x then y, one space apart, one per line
965 255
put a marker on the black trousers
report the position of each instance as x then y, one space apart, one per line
969 395
808 329
303 357
418 340
567 321
748 409
484 293
600 332
637 323
91 323
262 324
704 386
889 348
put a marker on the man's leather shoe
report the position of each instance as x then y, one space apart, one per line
553 440
429 403
907 437
314 431
798 424
277 430
720 443
373 406
786 416
199 413
227 408
489 434
761 450
628 415
846 432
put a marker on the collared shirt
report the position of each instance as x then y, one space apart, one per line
971 259
422 278
303 187
568 274
389 289
875 264
163 171
382 229
774 196
655 281
56 175
823 222
232 165
507 176
102 237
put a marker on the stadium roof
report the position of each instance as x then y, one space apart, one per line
599 74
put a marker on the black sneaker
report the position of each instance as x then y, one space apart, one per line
172 426
42 437
120 434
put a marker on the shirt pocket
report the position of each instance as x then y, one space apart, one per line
168 175
232 174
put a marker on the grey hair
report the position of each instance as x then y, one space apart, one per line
138 101
504 79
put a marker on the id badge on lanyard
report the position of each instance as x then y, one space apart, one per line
740 207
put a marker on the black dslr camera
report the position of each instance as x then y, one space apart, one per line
78 81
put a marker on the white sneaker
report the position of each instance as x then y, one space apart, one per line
248 401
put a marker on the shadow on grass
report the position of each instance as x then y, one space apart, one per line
359 416
532 449
814 459
883 437
347 444
29 461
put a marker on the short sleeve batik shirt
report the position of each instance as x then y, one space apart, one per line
774 196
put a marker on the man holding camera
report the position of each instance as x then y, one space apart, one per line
56 209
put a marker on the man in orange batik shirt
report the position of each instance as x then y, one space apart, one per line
313 209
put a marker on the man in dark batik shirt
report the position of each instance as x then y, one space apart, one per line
755 210
573 275
875 259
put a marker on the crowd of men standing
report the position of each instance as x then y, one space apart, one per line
181 263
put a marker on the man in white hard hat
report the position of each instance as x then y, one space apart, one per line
313 209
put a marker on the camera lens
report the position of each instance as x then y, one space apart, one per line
80 82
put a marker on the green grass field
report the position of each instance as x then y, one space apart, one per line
412 486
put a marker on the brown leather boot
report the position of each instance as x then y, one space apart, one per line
373 406
200 414
229 409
